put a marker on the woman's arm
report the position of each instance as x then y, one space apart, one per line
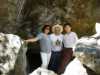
34 39
31 40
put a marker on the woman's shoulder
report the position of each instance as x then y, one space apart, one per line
40 34
55 35
73 32
52 35
61 35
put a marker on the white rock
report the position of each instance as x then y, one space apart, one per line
9 48
97 27
75 68
41 71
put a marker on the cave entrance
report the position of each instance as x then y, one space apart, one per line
33 57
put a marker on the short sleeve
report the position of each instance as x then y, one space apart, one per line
39 36
76 37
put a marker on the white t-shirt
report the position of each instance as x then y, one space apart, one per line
70 39
56 42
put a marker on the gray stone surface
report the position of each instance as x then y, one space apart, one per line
12 55
21 15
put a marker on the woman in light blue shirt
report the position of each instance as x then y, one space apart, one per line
45 45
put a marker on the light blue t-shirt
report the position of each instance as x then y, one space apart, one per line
45 43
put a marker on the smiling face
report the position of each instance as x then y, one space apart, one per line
47 30
67 28
57 30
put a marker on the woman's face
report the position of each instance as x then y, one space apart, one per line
67 28
47 30
57 30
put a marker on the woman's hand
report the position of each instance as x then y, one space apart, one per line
26 41
31 40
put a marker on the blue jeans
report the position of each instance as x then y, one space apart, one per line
54 61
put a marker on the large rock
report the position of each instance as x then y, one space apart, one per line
20 15
42 71
75 67
12 55
87 50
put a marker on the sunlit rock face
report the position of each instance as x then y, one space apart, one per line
87 50
36 13
12 55
75 67
23 15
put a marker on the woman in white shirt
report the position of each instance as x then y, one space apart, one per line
56 46
69 41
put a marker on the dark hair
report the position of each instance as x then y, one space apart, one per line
67 24
44 27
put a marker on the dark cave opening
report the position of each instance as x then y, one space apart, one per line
33 57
